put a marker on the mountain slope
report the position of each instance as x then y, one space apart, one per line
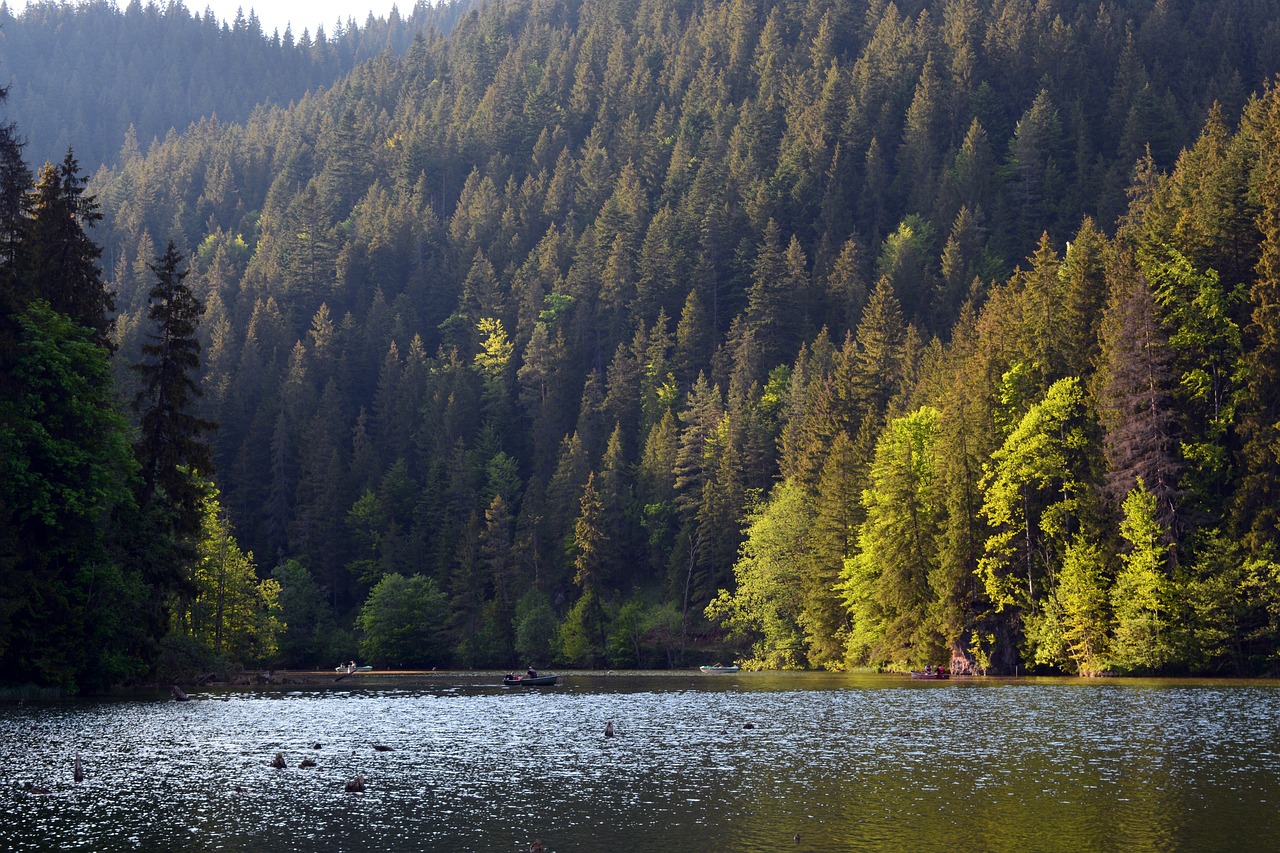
79 75
548 305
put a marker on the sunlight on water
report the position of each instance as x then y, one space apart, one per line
699 763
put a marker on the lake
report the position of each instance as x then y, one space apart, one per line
727 762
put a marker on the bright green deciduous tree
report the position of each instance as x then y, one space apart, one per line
1037 488
230 611
767 605
402 622
583 631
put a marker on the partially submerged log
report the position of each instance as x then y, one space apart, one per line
178 695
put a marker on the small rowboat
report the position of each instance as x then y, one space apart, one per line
531 681
930 676
349 668
733 668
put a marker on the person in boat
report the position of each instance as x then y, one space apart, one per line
928 669
533 673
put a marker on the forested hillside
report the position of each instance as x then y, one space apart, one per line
81 74
820 334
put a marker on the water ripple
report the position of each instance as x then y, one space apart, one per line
741 763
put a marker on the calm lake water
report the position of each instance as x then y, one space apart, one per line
752 762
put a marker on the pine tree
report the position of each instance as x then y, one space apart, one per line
1136 398
877 369
59 263
1141 597
1036 170
15 181
1082 597
886 584
172 448
776 298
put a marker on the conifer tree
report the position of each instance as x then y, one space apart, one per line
1136 400
1142 596
1257 511
172 448
59 262
15 180
1082 599
877 369
886 584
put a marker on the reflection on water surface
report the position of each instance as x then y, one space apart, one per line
753 762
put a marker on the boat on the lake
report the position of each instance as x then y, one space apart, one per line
351 667
530 680
930 675
721 668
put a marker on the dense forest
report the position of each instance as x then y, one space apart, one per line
624 332
80 75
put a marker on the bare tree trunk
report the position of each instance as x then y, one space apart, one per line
222 586
694 542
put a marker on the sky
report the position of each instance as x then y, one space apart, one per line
302 14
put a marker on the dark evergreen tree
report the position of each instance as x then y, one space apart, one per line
15 180
173 450
59 263
1136 398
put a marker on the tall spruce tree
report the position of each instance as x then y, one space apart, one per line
1135 402
172 448
59 263
15 179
